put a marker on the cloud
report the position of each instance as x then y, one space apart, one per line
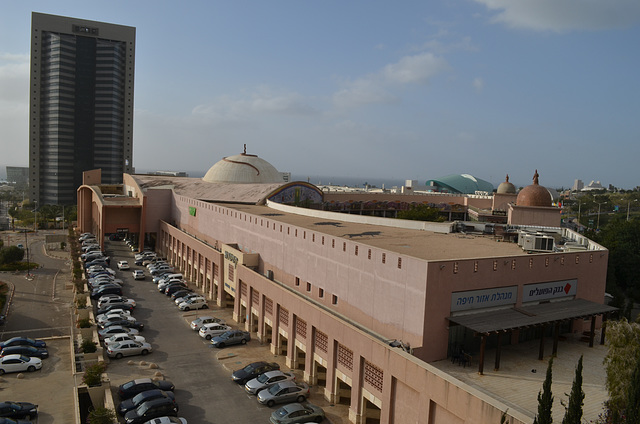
564 15
377 88
478 84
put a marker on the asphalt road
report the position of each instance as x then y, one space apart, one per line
204 390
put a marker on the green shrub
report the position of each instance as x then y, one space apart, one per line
84 323
81 302
93 374
101 415
88 346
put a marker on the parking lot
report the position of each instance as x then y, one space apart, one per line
201 373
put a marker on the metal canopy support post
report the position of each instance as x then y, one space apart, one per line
541 354
483 345
556 336
498 348
592 331
604 327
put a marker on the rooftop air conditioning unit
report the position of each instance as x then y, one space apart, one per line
536 243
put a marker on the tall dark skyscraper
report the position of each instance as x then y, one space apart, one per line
81 96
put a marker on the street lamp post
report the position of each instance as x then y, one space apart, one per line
26 245
599 205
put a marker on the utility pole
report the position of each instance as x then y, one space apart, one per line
26 245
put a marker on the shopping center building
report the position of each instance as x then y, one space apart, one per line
362 304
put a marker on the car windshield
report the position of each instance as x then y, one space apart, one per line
24 358
274 389
262 378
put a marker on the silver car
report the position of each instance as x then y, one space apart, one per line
286 391
123 337
266 380
127 348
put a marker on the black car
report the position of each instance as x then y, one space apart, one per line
114 289
133 387
253 370
181 293
124 323
131 404
10 421
107 308
26 350
21 341
174 287
18 410
151 409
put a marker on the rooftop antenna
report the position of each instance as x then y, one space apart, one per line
245 149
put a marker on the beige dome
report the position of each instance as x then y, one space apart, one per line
506 187
243 169
534 194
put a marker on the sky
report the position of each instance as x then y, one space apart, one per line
367 90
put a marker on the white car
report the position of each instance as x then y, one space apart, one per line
124 337
167 420
116 329
194 303
115 300
127 348
122 265
199 322
138 274
266 380
103 319
208 331
19 363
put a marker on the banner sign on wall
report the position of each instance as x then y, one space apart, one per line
476 299
550 290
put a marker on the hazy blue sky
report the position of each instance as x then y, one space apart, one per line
371 89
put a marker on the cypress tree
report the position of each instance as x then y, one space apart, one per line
573 414
545 399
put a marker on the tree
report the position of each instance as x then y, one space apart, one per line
623 340
573 414
633 399
102 415
545 399
421 213
11 254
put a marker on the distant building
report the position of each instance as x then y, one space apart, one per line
460 183
170 173
18 176
81 113
593 185
577 185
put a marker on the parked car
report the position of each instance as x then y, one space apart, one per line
286 391
138 274
230 338
98 293
151 409
123 265
21 341
18 410
194 303
114 300
123 337
113 307
190 295
128 348
253 370
133 387
124 323
19 363
266 380
116 329
114 316
166 420
295 413
36 352
181 293
209 331
161 268
131 404
172 288
163 286
199 322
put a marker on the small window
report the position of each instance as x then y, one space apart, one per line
313 238
356 250
297 281
334 299
323 240
384 258
320 292
308 287
333 244
344 246
399 263
369 254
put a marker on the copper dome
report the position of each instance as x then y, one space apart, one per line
534 194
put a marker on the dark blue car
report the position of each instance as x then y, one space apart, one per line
22 341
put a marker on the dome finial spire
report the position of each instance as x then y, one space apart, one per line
507 179
535 177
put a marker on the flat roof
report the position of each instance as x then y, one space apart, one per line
528 316
416 243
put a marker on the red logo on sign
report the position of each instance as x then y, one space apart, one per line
567 288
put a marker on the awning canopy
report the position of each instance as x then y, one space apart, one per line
530 316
